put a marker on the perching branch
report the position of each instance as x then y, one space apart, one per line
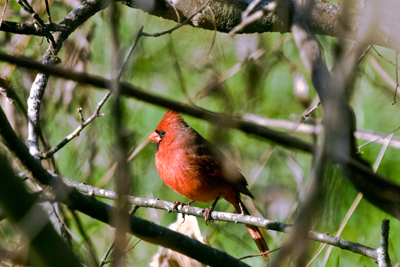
225 217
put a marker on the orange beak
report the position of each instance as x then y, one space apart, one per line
155 137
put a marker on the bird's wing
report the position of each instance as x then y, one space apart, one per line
216 165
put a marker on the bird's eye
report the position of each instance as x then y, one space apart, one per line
162 133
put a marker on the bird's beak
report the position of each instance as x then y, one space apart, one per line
155 137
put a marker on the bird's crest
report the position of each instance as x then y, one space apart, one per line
171 120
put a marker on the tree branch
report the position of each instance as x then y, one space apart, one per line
45 245
293 126
77 131
29 28
135 92
383 251
225 217
324 18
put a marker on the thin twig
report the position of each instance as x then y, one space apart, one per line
176 27
293 126
378 138
311 111
128 55
103 260
382 72
248 19
178 71
364 54
48 11
38 21
176 11
90 247
96 113
4 12
133 246
387 60
397 77
215 30
258 255
77 131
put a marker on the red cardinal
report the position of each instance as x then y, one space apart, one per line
196 169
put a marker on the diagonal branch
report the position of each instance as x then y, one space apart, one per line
46 247
135 92
77 131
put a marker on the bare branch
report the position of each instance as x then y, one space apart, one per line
311 111
77 131
48 11
36 19
225 217
177 26
324 18
387 60
293 126
248 18
3 13
383 251
88 241
29 28
135 92
30 219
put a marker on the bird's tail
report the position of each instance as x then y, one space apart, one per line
253 230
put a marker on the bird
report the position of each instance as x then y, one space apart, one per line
198 170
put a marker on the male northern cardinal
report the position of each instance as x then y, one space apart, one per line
196 169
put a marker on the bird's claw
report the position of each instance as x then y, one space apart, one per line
207 214
178 203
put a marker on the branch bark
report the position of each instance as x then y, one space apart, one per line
324 18
135 92
225 217
46 247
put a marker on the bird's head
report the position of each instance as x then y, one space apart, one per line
169 127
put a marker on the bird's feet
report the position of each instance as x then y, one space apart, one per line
207 214
178 203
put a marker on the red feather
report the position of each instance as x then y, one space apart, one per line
196 169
